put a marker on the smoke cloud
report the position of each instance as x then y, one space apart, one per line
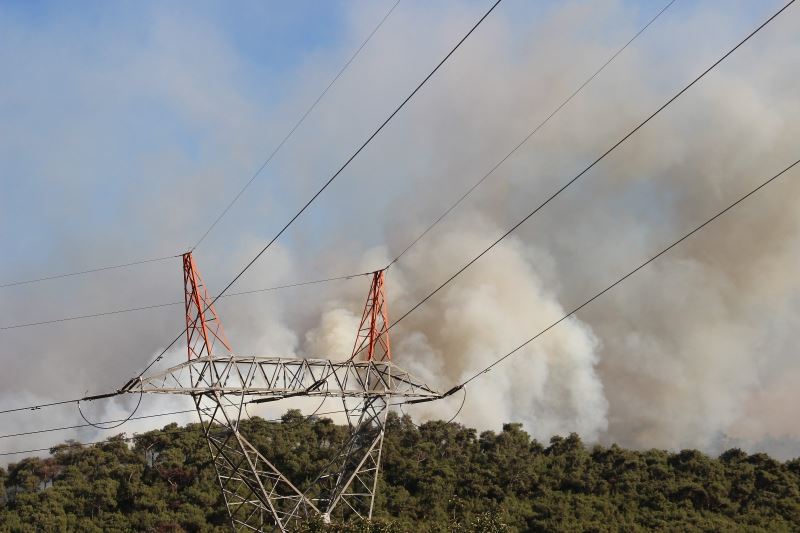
145 142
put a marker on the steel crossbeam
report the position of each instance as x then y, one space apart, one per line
273 377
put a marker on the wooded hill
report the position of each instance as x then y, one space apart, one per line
438 477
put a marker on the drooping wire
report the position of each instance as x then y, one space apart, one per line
121 422
533 132
458 412
294 128
630 273
463 401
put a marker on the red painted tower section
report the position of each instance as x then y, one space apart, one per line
373 333
203 327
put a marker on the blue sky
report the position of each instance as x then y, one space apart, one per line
50 50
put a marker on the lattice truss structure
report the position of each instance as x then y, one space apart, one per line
258 496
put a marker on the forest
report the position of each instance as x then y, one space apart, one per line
437 477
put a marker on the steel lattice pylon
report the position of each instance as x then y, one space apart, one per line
257 495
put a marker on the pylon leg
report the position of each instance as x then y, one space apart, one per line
357 480
258 496
353 485
347 485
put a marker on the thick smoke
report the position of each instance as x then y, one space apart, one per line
552 387
695 350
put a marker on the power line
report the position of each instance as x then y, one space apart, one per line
592 164
36 407
89 271
546 201
124 439
600 293
564 317
629 274
573 180
421 235
93 315
531 134
241 191
485 370
294 128
81 444
163 432
78 426
331 179
168 304
142 417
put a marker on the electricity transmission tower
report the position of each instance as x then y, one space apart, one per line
257 495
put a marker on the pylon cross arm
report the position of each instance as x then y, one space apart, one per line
273 377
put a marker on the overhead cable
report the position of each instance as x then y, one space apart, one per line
168 304
540 206
284 228
330 180
162 432
246 185
78 426
628 274
89 271
294 128
421 235
124 439
533 132
592 164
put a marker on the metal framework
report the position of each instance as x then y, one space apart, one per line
373 332
257 495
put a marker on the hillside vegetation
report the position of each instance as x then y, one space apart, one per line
438 477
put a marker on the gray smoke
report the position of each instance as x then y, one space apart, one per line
695 350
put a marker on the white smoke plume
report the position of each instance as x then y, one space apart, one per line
553 387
